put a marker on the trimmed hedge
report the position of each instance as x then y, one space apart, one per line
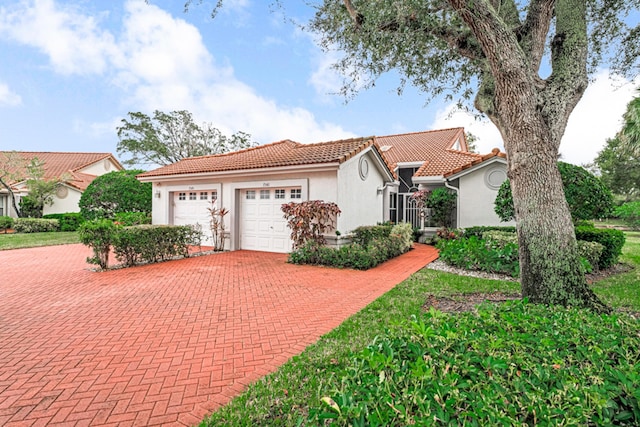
364 234
473 253
69 221
133 218
152 243
356 255
591 251
612 240
136 244
35 225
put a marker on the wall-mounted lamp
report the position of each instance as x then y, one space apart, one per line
157 194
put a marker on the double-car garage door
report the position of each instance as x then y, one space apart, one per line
260 224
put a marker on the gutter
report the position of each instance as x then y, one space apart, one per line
457 190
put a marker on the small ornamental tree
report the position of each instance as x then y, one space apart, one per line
441 201
586 195
309 220
115 192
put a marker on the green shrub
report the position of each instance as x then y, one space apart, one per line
514 364
405 233
364 234
611 240
629 213
152 243
6 222
479 230
113 192
500 238
35 225
133 218
472 253
356 255
586 195
69 221
591 251
98 234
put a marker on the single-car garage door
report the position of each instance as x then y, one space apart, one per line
190 208
262 226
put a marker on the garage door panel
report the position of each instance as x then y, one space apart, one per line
262 225
194 212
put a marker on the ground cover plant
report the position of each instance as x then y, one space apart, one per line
355 369
31 240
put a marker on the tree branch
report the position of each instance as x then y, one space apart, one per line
533 33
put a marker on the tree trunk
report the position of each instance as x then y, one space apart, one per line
550 267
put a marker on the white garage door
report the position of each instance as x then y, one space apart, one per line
262 226
190 208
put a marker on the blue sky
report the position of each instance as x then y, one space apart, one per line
73 69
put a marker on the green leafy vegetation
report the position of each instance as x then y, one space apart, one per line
69 221
115 192
630 214
473 253
612 241
35 225
587 197
6 222
379 243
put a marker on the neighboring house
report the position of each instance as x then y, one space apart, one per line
75 171
369 178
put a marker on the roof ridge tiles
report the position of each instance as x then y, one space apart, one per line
421 132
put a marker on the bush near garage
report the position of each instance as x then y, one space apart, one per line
133 218
379 249
35 225
98 234
153 243
6 222
69 221
115 192
507 365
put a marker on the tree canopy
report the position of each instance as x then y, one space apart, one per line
115 192
166 138
619 168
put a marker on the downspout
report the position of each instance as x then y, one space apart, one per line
457 190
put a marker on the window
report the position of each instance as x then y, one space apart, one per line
182 196
296 193
204 195
280 194
393 207
214 195
192 196
250 195
265 194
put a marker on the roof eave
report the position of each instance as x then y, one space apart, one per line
315 167
475 167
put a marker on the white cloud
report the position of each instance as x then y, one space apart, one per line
8 97
597 117
161 63
325 80
72 41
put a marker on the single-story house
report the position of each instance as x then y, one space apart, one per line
75 171
369 178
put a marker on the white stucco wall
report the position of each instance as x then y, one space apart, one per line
66 204
477 196
320 185
358 198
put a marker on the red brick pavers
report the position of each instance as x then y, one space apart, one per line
161 344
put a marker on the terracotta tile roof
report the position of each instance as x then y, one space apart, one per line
277 154
494 153
60 165
432 148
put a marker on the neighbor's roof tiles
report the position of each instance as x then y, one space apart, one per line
432 148
58 165
277 154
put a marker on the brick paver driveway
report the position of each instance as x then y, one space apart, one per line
162 344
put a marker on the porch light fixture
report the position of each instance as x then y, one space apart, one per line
157 194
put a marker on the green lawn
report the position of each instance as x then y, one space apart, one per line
30 240
286 397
